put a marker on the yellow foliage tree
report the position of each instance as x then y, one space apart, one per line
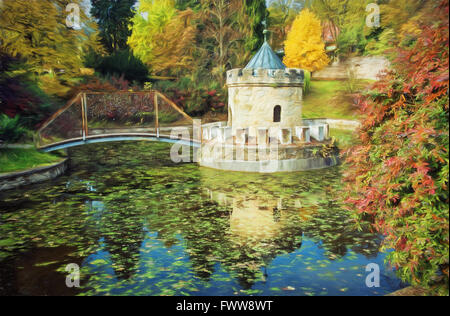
304 47
163 37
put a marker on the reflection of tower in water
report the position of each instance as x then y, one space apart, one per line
262 225
252 219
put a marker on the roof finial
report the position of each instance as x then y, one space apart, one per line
266 31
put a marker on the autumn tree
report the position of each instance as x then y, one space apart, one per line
36 31
398 173
220 18
400 25
113 18
304 47
162 36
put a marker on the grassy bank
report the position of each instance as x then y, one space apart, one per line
15 159
345 138
330 99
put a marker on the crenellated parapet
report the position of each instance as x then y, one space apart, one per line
317 130
278 77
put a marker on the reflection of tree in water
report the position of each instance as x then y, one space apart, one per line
241 221
242 234
124 196
332 228
210 238
307 202
204 225
313 195
205 237
122 231
203 229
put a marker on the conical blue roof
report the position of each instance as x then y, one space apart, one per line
265 58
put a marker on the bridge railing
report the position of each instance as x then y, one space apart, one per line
91 114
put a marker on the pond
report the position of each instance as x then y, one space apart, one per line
138 224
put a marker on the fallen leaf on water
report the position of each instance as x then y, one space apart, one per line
288 288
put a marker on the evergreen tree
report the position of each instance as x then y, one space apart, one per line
114 18
188 4
257 12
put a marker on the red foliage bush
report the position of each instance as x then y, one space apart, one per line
398 175
196 102
20 94
96 84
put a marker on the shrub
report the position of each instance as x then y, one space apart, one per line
95 84
196 99
121 63
307 83
11 130
398 176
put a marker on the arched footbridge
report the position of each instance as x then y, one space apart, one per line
98 117
75 142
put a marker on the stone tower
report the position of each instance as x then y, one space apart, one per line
265 93
265 131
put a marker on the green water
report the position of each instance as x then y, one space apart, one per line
138 224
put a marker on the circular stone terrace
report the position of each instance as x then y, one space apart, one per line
268 150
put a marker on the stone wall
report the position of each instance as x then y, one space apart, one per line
17 179
366 67
268 158
273 166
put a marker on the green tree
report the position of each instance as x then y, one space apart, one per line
256 11
349 18
114 19
281 15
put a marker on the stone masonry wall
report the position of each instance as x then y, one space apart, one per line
254 94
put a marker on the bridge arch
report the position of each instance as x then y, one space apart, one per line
76 142
87 119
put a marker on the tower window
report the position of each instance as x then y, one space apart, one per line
277 114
